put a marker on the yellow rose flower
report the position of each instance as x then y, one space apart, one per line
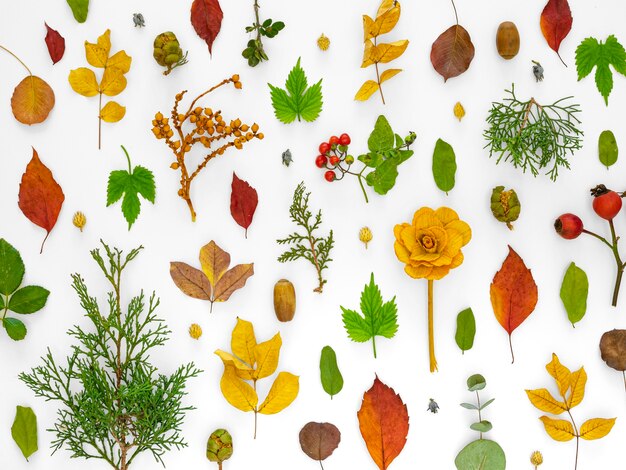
431 245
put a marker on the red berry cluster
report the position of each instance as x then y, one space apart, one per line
332 154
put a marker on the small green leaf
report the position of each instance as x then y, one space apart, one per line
469 406
371 159
465 329
574 291
24 430
482 426
332 380
481 454
607 148
80 9
28 299
476 382
382 137
486 404
11 268
15 328
444 165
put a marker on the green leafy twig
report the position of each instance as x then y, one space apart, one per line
532 136
311 247
254 51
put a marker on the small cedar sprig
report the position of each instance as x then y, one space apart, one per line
209 128
310 246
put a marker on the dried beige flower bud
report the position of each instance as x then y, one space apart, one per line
365 235
79 220
323 42
195 331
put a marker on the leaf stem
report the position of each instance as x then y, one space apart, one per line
374 345
623 372
17 58
360 177
455 14
130 170
577 436
480 418
380 86
100 122
511 347
431 328
43 242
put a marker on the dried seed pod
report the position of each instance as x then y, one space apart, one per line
507 40
459 111
219 447
365 235
79 220
505 205
536 458
323 42
284 300
195 331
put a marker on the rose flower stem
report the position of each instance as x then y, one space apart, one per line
431 328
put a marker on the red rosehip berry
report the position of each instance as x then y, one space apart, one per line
344 139
324 148
569 226
329 176
334 140
606 203
320 161
334 159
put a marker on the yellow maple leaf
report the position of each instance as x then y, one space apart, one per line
283 392
596 428
558 429
112 112
543 400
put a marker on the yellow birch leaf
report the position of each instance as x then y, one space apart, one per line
113 81
385 22
385 5
558 429
237 392
367 27
559 373
121 60
578 381
112 112
387 52
543 400
214 262
266 356
83 81
367 89
596 428
389 73
243 370
283 392
367 54
243 341
98 54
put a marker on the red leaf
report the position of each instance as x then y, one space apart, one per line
243 202
384 423
55 43
556 23
206 18
40 197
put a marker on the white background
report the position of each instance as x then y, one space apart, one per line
418 100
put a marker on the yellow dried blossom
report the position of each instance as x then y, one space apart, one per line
195 331
79 220
536 458
323 42
459 111
365 235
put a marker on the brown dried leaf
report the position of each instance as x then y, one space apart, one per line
452 52
214 262
32 100
190 280
613 349
319 440
232 280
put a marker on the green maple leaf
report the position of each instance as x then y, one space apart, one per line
593 53
298 100
130 184
379 319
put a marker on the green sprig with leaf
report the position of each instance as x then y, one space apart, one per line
310 246
254 52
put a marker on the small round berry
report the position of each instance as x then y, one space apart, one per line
329 176
320 161
344 139
606 203
349 159
334 159
569 226
334 140
324 148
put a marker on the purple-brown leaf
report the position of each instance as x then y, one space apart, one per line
452 52
319 440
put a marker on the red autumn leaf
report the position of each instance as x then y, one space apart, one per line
513 294
40 197
384 423
55 43
556 23
206 18
452 52
243 202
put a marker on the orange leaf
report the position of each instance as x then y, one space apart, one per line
513 294
556 23
452 52
384 423
40 197
32 100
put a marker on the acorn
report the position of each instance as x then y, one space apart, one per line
507 40
284 300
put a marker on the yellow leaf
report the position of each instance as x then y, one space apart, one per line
113 81
121 60
459 111
389 73
558 429
243 341
367 54
242 369
237 392
112 112
387 52
283 392
543 400
560 373
385 22
266 356
385 5
366 90
214 262
367 27
596 428
83 82
578 380
98 54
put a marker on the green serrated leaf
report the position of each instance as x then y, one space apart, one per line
330 375
29 299
444 165
465 330
15 328
11 268
382 137
24 430
118 180
607 148
80 9
574 292
592 53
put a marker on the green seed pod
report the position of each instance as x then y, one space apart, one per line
219 447
505 205
167 51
